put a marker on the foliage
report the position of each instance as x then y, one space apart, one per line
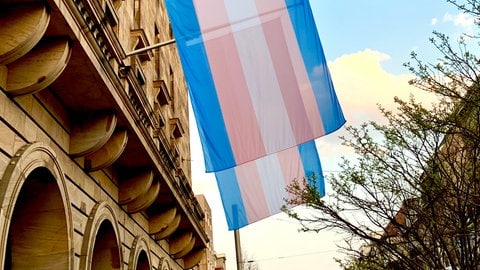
411 199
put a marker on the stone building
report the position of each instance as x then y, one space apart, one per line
209 257
220 263
210 260
94 141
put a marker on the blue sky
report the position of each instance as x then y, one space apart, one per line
392 27
365 42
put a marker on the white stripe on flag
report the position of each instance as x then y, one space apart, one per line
260 76
273 182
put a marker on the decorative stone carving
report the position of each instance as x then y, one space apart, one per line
90 134
21 28
193 258
131 189
108 153
172 227
145 200
39 67
179 242
161 221
186 249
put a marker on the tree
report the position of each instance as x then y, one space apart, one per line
411 199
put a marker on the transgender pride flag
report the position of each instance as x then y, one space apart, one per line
257 76
256 189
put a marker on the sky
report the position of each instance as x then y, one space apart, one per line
366 43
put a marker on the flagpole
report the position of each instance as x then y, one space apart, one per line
154 46
236 235
238 249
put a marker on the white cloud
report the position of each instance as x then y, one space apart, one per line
361 83
434 21
461 19
447 17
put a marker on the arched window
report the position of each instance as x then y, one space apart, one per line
38 236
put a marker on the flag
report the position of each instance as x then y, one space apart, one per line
257 76
257 189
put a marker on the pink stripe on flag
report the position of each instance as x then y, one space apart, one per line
287 80
260 75
291 166
252 191
290 68
236 103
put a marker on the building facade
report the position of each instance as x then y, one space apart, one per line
94 141
210 259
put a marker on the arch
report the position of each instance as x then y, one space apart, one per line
163 264
139 255
142 261
101 240
36 219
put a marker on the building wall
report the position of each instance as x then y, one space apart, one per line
220 263
208 261
94 143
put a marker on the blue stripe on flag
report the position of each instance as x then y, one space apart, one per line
312 165
195 65
315 63
231 199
